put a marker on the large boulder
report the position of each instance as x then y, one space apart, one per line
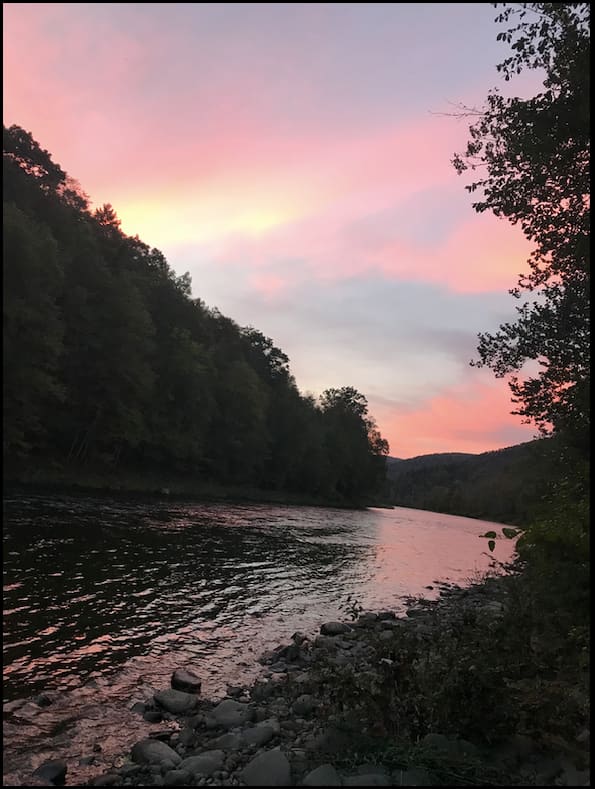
152 751
325 775
229 714
186 680
270 768
176 701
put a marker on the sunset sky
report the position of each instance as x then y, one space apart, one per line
294 159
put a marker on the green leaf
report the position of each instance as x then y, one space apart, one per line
491 545
491 534
509 533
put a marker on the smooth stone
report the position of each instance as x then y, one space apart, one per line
43 700
176 701
139 707
185 680
304 705
227 742
153 751
334 628
229 714
258 736
325 775
205 763
271 723
270 768
53 771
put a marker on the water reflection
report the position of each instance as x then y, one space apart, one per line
103 599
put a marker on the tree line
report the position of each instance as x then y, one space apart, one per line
506 485
110 360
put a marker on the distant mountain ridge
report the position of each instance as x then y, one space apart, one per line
503 485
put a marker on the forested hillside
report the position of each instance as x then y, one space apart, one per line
109 360
508 485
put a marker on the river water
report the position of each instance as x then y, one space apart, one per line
103 599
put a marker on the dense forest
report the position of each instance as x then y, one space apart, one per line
507 485
109 361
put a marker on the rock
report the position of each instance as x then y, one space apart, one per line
152 751
325 775
186 680
331 740
108 779
86 760
270 768
139 707
177 778
53 771
176 701
391 624
228 742
234 690
162 734
387 635
271 723
290 652
229 714
325 642
205 763
304 705
367 620
334 628
262 691
372 779
415 776
383 616
153 716
259 735
437 742
43 700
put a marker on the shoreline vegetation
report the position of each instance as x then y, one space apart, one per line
477 687
141 484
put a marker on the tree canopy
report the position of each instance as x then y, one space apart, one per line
109 361
537 172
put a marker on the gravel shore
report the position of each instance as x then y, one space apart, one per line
319 715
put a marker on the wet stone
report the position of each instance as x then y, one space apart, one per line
325 775
53 771
185 680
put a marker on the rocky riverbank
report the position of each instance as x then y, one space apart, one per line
377 701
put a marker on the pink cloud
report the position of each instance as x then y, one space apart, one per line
472 417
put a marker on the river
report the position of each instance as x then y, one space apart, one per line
104 598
